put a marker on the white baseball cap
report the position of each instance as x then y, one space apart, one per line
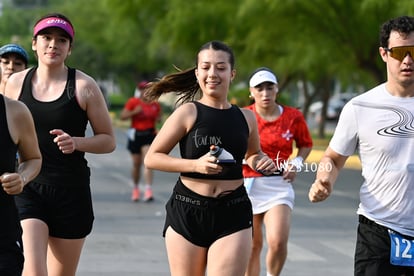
262 75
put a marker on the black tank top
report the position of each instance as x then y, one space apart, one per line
10 226
63 113
226 128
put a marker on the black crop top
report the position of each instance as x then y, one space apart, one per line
226 128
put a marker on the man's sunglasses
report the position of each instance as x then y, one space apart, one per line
400 52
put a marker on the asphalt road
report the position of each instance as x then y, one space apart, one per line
126 238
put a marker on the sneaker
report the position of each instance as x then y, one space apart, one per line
135 194
148 195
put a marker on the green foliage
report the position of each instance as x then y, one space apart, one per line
239 96
314 41
186 25
117 99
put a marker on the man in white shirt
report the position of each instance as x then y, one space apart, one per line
379 124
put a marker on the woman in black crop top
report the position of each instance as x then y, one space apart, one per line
209 215
17 133
55 209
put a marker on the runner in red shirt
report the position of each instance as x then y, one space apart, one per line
273 196
144 115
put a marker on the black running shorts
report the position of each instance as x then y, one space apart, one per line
66 210
372 253
142 138
202 220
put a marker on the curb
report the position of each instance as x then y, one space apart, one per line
352 162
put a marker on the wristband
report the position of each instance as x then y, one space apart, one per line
297 162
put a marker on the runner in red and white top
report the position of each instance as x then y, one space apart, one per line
280 128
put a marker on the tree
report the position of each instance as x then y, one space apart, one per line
312 42
316 41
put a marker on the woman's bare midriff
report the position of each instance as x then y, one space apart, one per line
211 188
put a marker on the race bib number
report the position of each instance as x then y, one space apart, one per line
402 250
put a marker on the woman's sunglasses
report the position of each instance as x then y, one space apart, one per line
400 52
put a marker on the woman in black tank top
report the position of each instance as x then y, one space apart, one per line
209 215
62 101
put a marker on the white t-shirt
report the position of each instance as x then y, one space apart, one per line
380 127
